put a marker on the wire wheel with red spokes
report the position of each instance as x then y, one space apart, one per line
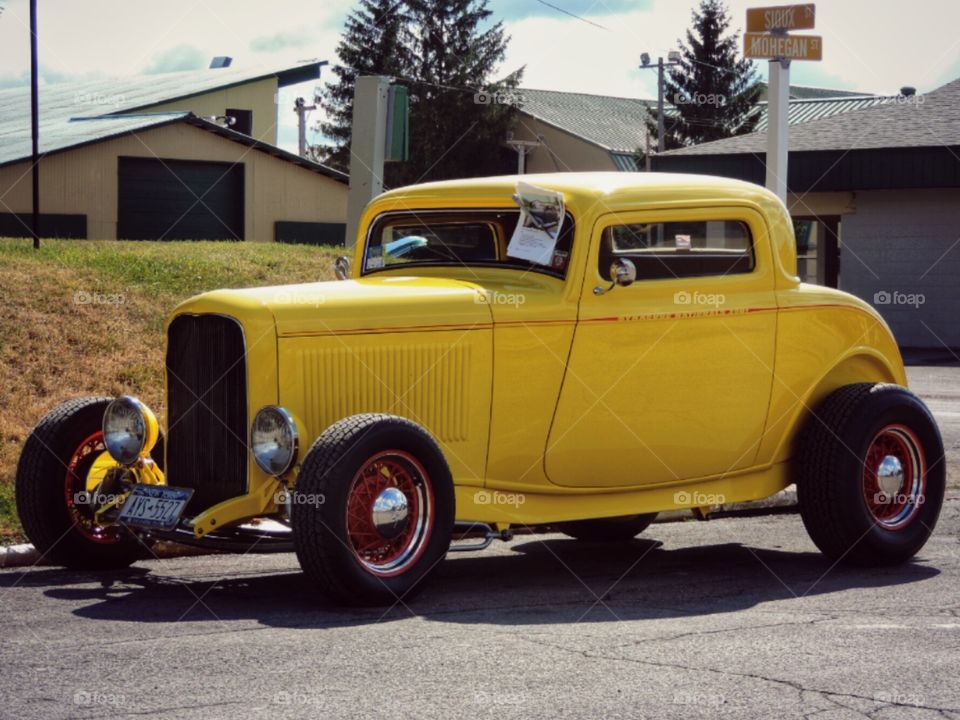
373 510
894 477
59 476
389 512
84 475
870 474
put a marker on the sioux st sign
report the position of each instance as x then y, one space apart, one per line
783 17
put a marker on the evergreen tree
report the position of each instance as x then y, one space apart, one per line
446 52
712 90
458 117
375 41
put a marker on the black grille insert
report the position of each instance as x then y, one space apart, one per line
206 409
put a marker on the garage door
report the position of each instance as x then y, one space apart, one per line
179 200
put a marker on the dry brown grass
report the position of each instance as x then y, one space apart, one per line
55 344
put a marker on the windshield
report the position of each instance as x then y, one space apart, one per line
458 238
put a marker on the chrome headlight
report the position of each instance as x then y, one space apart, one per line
130 429
274 440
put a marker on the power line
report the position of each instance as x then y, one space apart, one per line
567 12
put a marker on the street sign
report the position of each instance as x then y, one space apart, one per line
767 39
783 17
764 46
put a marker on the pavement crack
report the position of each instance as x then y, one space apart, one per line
798 687
701 633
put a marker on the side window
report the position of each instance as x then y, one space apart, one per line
694 248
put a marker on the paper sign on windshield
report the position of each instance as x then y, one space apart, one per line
541 217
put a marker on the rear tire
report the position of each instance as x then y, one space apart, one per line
617 529
358 556
871 475
50 475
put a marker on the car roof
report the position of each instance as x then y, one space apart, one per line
612 189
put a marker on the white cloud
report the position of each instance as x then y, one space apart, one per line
868 45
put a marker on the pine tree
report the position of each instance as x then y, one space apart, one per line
712 90
375 41
459 117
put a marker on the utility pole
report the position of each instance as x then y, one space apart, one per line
673 58
522 147
368 137
660 122
301 108
34 126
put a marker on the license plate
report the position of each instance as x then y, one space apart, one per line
155 506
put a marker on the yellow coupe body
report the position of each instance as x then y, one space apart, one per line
563 398
581 351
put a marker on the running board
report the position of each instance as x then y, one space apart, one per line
488 535
273 537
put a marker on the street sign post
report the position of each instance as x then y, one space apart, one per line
767 39
783 18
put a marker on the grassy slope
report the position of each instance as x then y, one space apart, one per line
56 344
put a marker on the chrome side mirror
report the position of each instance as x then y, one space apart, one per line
341 267
623 272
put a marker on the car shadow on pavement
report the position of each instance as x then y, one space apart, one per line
535 582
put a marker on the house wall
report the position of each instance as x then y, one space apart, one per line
259 96
560 151
84 181
900 251
820 204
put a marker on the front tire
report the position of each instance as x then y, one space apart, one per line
871 475
373 510
60 459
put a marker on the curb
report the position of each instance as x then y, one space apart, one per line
26 555
18 555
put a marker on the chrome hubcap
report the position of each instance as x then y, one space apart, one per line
391 510
890 475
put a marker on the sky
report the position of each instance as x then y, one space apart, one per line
869 45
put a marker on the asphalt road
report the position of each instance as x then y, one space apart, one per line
726 618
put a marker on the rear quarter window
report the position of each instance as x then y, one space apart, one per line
695 248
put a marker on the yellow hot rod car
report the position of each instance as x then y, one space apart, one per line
631 344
